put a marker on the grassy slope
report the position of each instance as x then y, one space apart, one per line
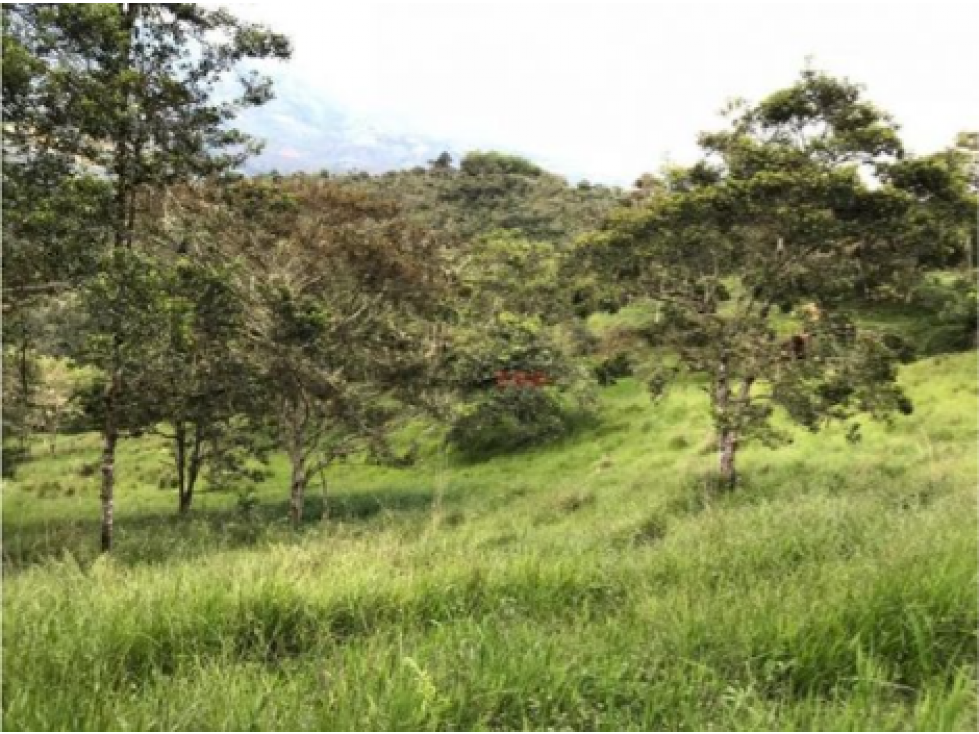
587 586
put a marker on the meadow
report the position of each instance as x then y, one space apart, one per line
510 413
592 584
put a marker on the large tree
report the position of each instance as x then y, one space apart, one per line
340 291
137 97
202 391
751 257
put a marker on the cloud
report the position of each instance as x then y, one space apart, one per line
609 90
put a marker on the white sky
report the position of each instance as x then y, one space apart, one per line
613 89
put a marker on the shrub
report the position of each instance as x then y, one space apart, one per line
89 470
513 419
612 368
12 457
956 307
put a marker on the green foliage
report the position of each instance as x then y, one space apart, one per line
442 163
513 419
339 292
778 218
479 163
124 315
118 84
106 105
955 302
613 368
492 191
508 320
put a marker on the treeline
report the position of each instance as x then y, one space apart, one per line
313 314
491 191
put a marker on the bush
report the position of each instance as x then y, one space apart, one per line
956 307
613 368
513 419
89 470
13 456
479 163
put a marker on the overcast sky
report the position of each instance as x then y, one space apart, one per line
608 90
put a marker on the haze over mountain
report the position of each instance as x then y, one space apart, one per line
307 132
604 91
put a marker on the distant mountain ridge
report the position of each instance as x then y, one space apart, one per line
307 132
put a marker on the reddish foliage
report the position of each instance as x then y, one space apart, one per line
521 378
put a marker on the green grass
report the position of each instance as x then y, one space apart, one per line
589 585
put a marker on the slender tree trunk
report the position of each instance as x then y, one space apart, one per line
180 459
188 459
186 499
294 416
110 436
54 431
123 237
728 409
325 511
193 469
728 450
727 435
25 395
297 489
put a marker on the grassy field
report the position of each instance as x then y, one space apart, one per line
589 585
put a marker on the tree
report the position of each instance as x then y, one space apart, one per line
127 93
200 387
479 162
57 398
509 361
123 318
491 195
38 385
442 163
751 258
339 289
21 384
967 143
939 227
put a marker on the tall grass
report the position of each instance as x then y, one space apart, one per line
591 585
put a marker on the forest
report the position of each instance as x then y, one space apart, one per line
469 445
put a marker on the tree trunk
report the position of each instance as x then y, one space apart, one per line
25 392
728 449
193 470
180 458
294 417
186 498
122 238
187 452
110 436
325 507
53 438
726 424
297 493
722 400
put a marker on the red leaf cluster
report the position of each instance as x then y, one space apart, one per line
521 378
